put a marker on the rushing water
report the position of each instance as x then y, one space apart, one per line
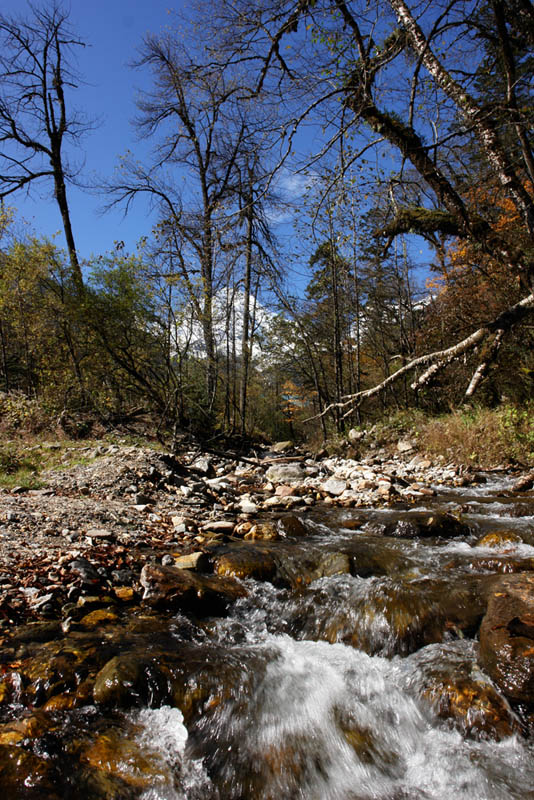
319 694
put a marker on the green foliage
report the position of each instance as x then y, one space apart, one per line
21 413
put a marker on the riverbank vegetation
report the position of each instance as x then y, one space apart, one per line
204 328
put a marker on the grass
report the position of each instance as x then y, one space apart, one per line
481 437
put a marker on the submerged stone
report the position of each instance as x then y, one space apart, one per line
449 678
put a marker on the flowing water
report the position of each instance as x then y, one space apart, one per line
324 688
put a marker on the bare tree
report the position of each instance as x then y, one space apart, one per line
189 112
36 73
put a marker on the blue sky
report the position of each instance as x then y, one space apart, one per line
112 31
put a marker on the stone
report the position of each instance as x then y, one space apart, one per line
219 526
247 506
172 587
99 533
500 539
507 637
355 435
281 502
285 473
449 679
292 525
405 446
281 447
263 530
246 562
423 525
204 466
123 681
98 618
524 484
333 486
284 491
124 593
198 561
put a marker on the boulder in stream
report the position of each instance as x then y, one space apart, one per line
507 637
172 587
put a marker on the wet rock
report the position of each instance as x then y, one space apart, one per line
500 539
128 680
449 678
524 484
198 561
98 618
292 525
23 770
416 526
30 726
60 667
38 632
507 637
333 564
246 561
123 762
266 531
179 588
388 617
126 594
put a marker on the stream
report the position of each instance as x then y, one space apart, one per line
351 674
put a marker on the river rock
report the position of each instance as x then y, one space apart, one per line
449 679
246 562
285 473
120 761
263 530
247 505
292 525
180 588
442 525
507 637
219 526
284 491
281 447
128 680
525 483
198 561
334 486
500 540
21 768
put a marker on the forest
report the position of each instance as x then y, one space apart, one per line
412 239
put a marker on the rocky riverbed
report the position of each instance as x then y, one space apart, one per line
92 528
211 593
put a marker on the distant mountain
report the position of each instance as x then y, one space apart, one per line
228 317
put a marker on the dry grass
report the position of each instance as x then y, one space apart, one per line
482 437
